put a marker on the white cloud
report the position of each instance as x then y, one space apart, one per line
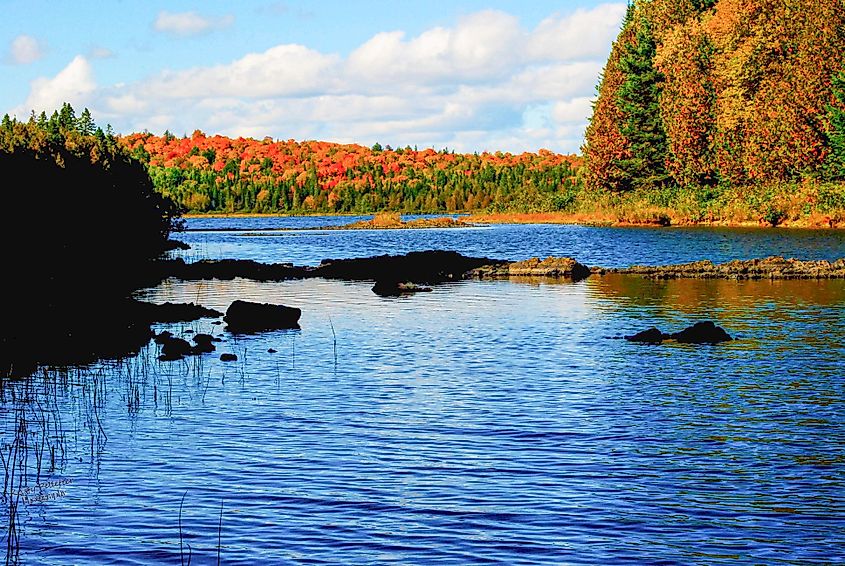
573 110
126 104
486 83
580 35
184 24
479 47
25 49
74 84
284 70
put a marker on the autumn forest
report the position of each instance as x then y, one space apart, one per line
707 111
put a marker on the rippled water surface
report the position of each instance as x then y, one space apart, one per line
301 241
484 422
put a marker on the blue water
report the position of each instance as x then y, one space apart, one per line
260 239
484 422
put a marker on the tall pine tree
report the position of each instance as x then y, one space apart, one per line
639 101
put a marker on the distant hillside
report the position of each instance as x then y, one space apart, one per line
220 174
715 95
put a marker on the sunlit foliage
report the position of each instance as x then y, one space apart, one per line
217 173
746 98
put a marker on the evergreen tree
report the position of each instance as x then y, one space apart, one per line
67 117
639 101
85 124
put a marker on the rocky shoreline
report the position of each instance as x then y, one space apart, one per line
433 267
773 267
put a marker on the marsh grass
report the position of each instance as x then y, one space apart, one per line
807 204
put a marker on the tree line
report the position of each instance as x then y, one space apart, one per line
221 174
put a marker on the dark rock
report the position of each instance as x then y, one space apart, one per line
203 338
702 333
650 336
228 357
189 331
217 322
396 288
427 267
245 317
176 347
163 337
271 351
203 344
227 269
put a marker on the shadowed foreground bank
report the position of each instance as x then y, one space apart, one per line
66 286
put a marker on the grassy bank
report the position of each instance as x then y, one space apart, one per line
810 204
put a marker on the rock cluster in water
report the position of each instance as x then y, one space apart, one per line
174 348
433 267
699 333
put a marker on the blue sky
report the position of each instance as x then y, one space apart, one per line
471 75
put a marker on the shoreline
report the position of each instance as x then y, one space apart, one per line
563 218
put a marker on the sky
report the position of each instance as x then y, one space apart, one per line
468 75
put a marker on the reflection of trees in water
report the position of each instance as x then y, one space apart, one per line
731 297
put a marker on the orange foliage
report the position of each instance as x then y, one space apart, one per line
747 86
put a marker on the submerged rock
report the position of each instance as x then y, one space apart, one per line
702 333
396 288
650 336
227 357
243 317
